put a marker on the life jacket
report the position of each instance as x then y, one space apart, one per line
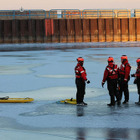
122 68
112 71
80 72
124 71
138 72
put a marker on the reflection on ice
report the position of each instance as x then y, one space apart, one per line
80 111
73 134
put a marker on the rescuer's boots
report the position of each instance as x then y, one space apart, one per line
125 102
111 104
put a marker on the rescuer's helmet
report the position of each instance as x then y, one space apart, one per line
110 59
123 58
138 61
80 59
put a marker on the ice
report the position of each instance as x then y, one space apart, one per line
57 76
48 77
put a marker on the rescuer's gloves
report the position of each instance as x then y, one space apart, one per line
132 75
88 81
103 84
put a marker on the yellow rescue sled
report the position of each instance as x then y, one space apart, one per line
68 101
15 100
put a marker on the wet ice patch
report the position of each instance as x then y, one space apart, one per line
56 93
133 88
51 109
12 70
56 76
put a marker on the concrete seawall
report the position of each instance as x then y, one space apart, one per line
70 30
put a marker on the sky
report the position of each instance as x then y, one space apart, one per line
69 4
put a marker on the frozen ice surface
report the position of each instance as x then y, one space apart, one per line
48 76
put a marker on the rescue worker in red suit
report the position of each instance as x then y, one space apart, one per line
124 77
81 78
111 76
137 78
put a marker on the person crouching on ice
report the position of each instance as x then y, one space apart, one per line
111 76
81 78
137 78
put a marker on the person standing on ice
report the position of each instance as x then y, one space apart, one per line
124 77
81 78
137 78
111 76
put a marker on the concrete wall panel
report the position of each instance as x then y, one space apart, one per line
63 30
56 31
124 29
8 31
24 31
109 30
86 30
132 29
1 31
137 29
49 31
78 30
94 30
15 31
40 31
102 30
31 30
70 30
117 29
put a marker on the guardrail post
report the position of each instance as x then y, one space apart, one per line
98 13
14 14
29 14
49 14
45 14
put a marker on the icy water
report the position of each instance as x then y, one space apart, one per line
48 76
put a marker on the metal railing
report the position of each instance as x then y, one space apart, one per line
69 13
97 13
26 14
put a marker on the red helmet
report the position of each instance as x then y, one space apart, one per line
124 57
110 59
138 60
80 59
